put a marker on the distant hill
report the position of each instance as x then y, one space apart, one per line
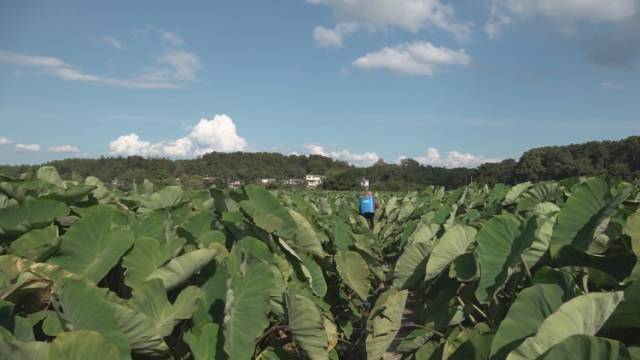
620 159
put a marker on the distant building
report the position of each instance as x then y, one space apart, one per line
268 181
364 182
313 181
234 184
292 182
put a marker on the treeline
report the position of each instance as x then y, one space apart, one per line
620 159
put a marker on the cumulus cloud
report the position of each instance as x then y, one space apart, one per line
364 159
64 149
565 13
416 58
110 40
217 134
5 141
453 159
28 147
409 15
333 37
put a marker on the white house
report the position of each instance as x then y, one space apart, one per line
292 181
267 181
313 181
234 184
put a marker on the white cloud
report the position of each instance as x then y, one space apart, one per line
364 159
62 70
28 147
454 159
5 141
333 37
416 58
177 65
410 15
64 149
110 40
171 38
611 86
564 13
217 134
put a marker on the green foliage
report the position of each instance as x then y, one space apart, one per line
539 270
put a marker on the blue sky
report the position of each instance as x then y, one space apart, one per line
451 83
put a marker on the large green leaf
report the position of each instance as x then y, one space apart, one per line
306 240
627 314
180 269
632 229
50 175
583 315
315 276
205 342
354 271
384 322
528 311
17 220
11 349
452 244
92 246
306 323
410 267
38 244
476 348
589 205
267 212
501 242
515 192
247 304
170 196
82 345
147 255
151 299
587 348
84 308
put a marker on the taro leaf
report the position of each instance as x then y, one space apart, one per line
169 197
29 292
180 269
101 193
537 194
617 265
37 245
82 345
49 175
627 313
266 211
31 350
72 195
147 255
583 315
306 323
632 229
91 247
540 243
409 269
501 242
452 244
587 347
85 309
17 220
306 240
385 320
477 347
515 192
354 272
205 342
424 233
315 276
247 305
150 299
526 314
589 205
12 266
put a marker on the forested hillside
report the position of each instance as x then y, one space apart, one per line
620 159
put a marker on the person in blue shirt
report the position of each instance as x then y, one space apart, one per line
368 206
